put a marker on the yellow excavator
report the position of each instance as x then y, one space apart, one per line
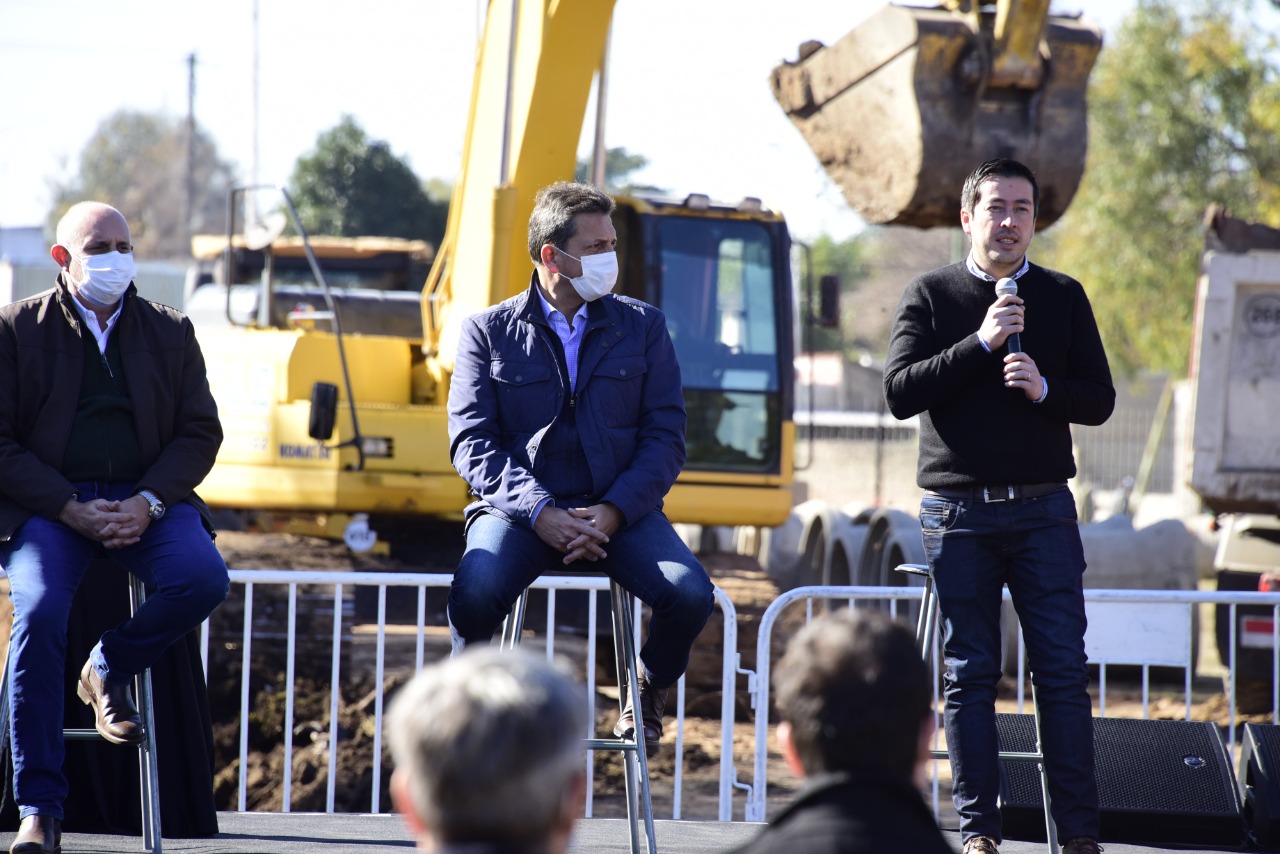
347 421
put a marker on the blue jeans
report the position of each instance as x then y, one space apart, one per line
1033 546
45 560
647 558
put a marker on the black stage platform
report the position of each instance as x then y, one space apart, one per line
312 833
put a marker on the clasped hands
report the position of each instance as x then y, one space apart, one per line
115 524
581 532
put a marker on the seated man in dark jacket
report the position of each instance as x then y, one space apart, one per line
854 701
106 428
566 418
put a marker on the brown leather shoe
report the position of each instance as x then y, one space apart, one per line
117 716
653 702
38 834
1081 845
980 845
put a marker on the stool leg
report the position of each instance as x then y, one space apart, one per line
637 764
148 767
1050 826
513 625
926 623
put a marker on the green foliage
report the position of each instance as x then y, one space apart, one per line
137 163
351 186
846 259
618 166
1184 111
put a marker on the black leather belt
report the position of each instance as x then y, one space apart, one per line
1000 492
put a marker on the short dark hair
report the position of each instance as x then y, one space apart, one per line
1001 167
855 691
554 209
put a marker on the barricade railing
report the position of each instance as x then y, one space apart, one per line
758 683
1120 647
343 583
898 601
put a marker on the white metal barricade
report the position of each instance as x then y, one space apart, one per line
1153 630
341 584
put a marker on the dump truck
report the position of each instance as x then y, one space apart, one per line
1235 443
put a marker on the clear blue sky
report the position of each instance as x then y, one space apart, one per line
689 86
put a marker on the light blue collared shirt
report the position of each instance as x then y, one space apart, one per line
569 333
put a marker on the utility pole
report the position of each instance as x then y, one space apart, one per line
599 153
251 198
188 221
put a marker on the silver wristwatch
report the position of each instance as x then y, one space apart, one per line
157 508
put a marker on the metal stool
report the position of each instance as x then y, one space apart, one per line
148 769
635 761
926 630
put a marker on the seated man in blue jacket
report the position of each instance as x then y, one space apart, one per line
566 418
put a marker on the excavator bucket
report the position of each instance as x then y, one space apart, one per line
902 108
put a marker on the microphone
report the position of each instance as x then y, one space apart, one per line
1009 286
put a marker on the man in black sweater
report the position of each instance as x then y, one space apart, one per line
995 455
854 698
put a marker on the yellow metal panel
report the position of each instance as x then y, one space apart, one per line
379 367
706 504
329 490
246 370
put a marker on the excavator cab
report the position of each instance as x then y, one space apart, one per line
905 105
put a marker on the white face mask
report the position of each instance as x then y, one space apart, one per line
599 274
106 277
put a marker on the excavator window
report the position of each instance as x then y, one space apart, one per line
718 290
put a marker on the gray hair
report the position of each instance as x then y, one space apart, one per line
554 209
492 745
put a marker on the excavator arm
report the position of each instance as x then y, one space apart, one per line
532 82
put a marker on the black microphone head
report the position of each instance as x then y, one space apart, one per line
1006 286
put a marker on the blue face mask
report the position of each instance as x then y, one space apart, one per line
106 277
599 274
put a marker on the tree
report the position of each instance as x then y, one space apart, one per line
351 185
1184 110
618 166
137 162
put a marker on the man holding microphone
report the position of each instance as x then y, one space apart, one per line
995 456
